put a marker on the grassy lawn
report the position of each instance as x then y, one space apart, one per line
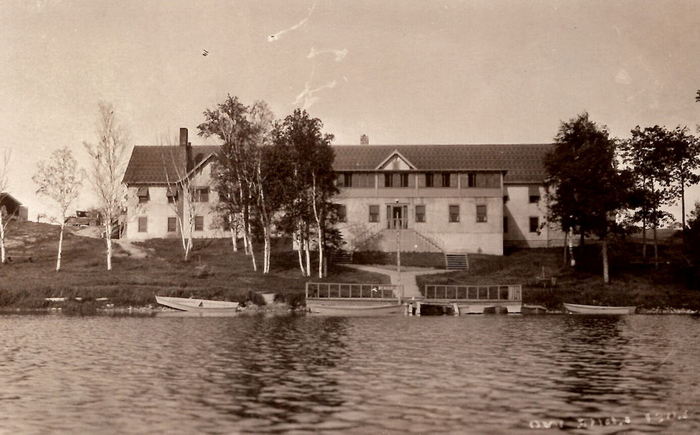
213 271
647 288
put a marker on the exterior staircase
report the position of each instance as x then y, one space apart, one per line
456 261
408 240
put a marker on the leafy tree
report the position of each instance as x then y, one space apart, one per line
244 173
107 170
4 220
647 154
684 161
59 180
232 172
312 183
587 189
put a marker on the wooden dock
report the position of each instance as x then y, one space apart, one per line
475 299
375 299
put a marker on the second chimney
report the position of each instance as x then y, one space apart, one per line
183 136
364 139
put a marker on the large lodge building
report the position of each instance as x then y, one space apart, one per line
423 198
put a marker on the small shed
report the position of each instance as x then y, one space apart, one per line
10 206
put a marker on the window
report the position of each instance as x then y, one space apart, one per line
445 179
201 194
374 213
505 224
420 213
429 179
396 179
143 194
454 213
171 193
481 213
143 224
342 212
534 224
199 223
347 179
172 224
388 180
362 180
534 194
471 179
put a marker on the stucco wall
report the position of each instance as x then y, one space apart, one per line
467 235
157 210
518 210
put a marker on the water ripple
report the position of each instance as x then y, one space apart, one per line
474 374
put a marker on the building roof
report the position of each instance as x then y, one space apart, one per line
6 198
524 163
162 164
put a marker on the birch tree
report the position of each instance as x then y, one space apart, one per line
313 184
233 172
59 180
4 219
106 169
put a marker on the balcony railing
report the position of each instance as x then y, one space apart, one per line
358 291
397 223
474 292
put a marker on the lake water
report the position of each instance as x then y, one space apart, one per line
470 374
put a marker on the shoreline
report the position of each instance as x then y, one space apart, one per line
76 308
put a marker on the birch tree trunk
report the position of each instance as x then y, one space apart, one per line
60 246
606 274
234 239
108 236
300 247
318 226
3 257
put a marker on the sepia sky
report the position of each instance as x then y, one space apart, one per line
403 72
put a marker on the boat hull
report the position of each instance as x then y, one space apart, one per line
197 305
477 307
594 309
329 308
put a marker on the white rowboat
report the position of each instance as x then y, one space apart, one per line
595 309
197 305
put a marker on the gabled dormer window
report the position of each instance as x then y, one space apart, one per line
201 194
171 193
143 194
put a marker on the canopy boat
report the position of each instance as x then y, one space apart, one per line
354 310
596 309
352 299
197 305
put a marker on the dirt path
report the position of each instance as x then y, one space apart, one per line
406 277
134 251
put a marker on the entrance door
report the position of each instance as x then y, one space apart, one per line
397 216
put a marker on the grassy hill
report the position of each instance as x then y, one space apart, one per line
213 271
631 283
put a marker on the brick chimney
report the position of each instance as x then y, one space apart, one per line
183 136
188 148
364 140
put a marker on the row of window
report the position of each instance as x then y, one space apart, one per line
428 179
201 194
172 224
420 213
